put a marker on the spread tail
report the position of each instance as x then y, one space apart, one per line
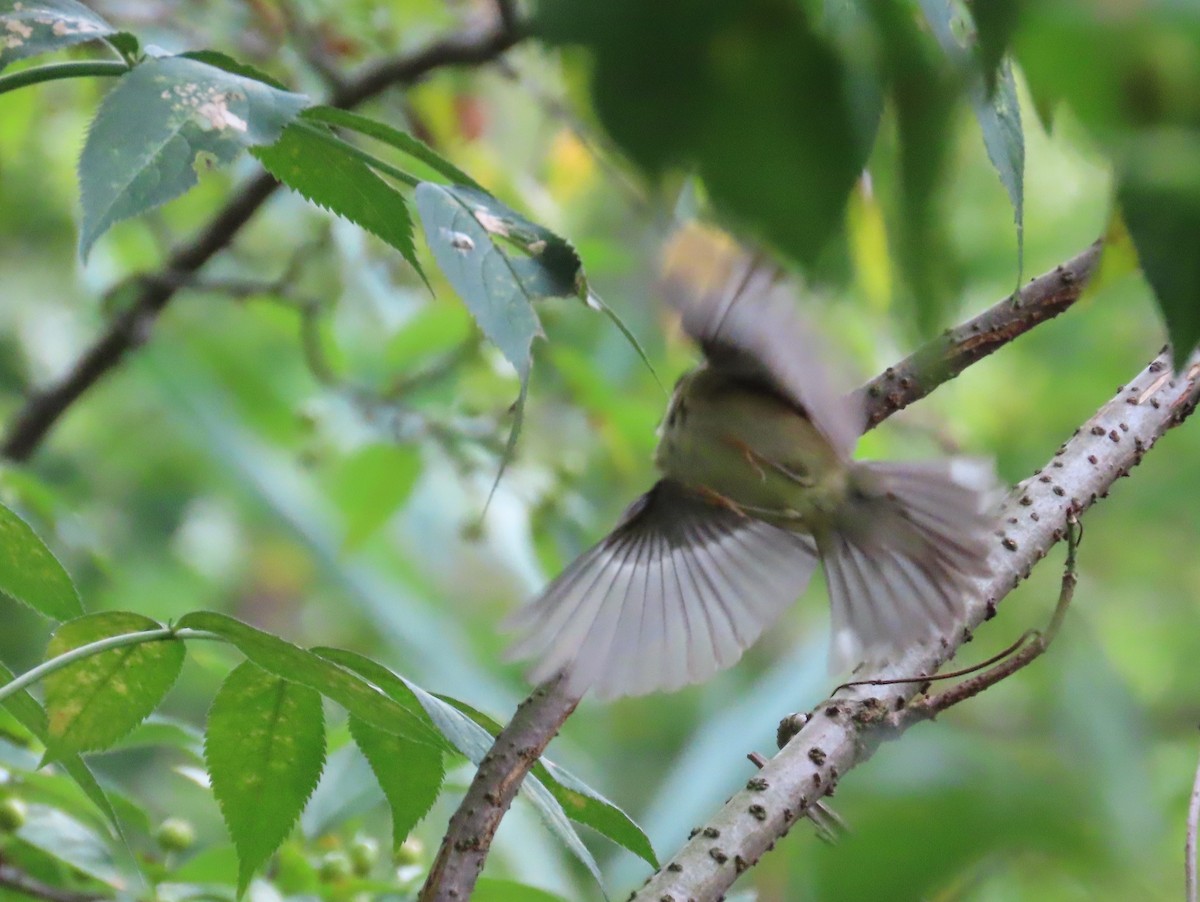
903 559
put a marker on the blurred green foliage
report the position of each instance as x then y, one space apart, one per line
233 462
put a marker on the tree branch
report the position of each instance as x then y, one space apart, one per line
130 328
1189 844
846 729
542 715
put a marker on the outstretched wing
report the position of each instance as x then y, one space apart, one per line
735 307
676 592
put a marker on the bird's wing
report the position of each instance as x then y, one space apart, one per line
734 305
676 592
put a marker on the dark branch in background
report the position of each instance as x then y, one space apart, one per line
845 729
541 715
131 327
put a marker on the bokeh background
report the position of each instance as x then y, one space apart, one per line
315 459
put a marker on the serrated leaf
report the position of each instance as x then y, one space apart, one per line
471 740
93 702
164 119
25 708
999 118
580 802
32 27
323 171
410 775
264 747
1159 194
370 486
300 666
402 141
29 572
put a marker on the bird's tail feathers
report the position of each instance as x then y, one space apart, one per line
905 556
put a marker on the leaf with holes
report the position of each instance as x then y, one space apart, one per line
30 574
93 702
472 235
164 121
410 775
264 746
324 170
32 27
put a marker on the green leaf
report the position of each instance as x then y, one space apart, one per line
30 574
924 91
300 666
264 747
992 92
1159 194
62 837
999 118
93 702
748 94
462 227
580 802
472 740
164 120
32 27
402 141
371 485
25 708
489 890
410 775
995 23
324 170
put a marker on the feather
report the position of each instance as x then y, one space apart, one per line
677 591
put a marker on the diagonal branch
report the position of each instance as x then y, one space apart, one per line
540 717
845 729
130 328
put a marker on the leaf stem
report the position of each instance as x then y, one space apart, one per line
94 648
358 153
55 71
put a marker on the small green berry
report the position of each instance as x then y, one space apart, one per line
175 835
335 867
364 853
12 814
411 851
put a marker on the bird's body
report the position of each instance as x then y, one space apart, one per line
758 487
750 448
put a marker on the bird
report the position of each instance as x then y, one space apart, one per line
758 487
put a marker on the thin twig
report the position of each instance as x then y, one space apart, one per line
1189 845
43 408
930 707
543 713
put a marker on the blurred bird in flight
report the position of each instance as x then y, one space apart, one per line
757 486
